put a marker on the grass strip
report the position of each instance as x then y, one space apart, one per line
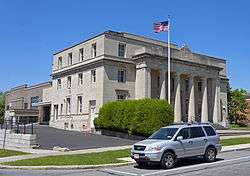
80 159
6 153
234 141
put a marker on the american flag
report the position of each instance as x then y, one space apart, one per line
161 26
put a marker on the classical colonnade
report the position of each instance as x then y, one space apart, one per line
209 95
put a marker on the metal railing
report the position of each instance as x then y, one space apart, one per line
24 127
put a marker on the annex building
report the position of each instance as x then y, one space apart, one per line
117 65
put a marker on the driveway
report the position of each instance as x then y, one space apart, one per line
49 137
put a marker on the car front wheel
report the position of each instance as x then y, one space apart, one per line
168 160
210 154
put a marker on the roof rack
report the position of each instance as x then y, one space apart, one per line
191 123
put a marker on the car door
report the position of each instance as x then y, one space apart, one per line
198 140
182 147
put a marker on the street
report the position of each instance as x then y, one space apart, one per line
228 163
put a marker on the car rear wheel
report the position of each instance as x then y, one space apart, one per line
168 160
210 154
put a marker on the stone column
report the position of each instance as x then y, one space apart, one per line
191 105
143 83
163 84
177 102
204 110
216 111
40 114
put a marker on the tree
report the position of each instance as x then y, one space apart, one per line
237 105
2 106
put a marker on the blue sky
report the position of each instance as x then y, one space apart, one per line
31 31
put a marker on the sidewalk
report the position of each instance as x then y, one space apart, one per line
55 153
127 160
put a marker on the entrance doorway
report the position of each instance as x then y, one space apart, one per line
46 117
92 113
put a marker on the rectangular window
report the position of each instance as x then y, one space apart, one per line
56 112
69 82
186 85
158 81
34 100
80 79
93 50
121 96
186 106
59 84
199 86
209 130
81 57
93 76
172 84
59 62
25 105
121 50
61 110
121 76
196 132
70 58
79 102
68 106
184 132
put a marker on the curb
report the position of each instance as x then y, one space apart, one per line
70 167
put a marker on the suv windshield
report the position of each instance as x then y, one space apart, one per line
164 133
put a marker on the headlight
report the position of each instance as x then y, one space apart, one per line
154 148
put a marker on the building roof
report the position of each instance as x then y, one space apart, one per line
121 34
135 37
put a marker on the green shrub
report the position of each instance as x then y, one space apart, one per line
141 117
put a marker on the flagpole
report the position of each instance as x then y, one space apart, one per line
169 61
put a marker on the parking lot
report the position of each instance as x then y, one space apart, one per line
48 137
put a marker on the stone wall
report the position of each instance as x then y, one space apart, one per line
14 140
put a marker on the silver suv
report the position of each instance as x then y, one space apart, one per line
177 141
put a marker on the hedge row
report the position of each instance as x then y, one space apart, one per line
140 117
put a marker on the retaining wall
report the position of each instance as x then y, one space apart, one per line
14 140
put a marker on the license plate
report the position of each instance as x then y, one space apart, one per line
136 156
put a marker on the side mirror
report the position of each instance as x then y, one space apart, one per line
179 138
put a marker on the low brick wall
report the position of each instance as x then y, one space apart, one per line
14 140
119 134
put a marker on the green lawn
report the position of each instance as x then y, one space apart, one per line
235 141
81 159
237 127
6 153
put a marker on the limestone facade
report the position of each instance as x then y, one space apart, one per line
116 65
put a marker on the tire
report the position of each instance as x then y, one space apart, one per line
210 154
168 160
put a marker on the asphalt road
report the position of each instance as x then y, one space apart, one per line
228 164
48 137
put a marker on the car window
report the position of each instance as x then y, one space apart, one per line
196 132
164 133
184 132
209 130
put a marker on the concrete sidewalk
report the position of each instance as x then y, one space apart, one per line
126 160
54 153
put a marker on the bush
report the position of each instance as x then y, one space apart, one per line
140 117
243 123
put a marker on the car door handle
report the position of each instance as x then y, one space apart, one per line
190 142
205 140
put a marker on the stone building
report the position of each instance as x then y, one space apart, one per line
113 66
21 102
